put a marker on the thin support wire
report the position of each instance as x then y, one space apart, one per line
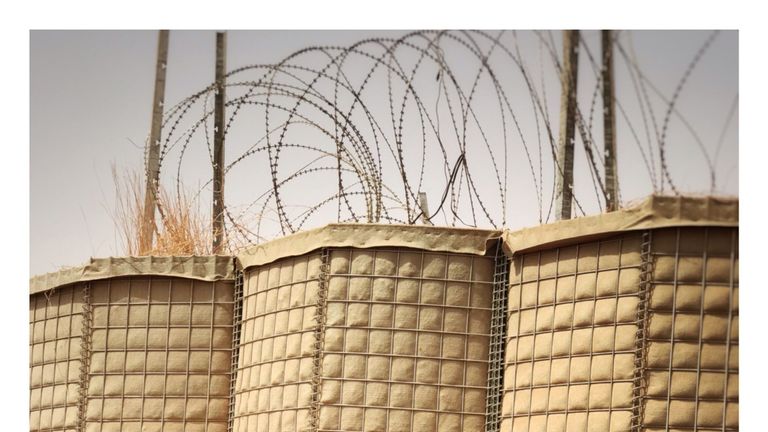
641 336
85 357
319 338
497 341
237 320
728 340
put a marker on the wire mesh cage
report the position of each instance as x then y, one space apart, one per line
276 346
571 337
622 329
623 321
692 340
140 352
55 328
381 338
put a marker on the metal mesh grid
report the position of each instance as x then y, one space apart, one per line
274 373
571 337
319 340
497 341
237 321
161 352
406 341
640 383
692 364
54 330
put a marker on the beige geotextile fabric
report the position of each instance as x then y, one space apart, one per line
436 239
654 212
402 337
693 331
207 268
273 387
404 342
55 326
160 355
573 334
571 337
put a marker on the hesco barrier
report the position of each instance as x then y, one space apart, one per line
132 344
366 327
55 328
622 321
625 321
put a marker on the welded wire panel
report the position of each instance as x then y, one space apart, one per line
237 320
160 355
55 325
406 341
273 390
693 331
498 339
571 337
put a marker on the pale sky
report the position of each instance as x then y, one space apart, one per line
90 106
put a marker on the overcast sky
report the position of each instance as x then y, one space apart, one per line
91 94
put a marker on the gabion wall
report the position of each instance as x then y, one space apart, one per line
571 337
365 339
692 338
634 332
55 328
626 321
131 354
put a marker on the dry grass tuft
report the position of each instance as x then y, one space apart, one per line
181 227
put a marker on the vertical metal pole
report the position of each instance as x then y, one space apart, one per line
609 124
218 144
152 173
568 79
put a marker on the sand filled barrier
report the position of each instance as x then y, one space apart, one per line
622 321
625 321
132 344
374 328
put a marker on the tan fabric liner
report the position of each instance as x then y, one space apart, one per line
435 239
654 212
206 268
